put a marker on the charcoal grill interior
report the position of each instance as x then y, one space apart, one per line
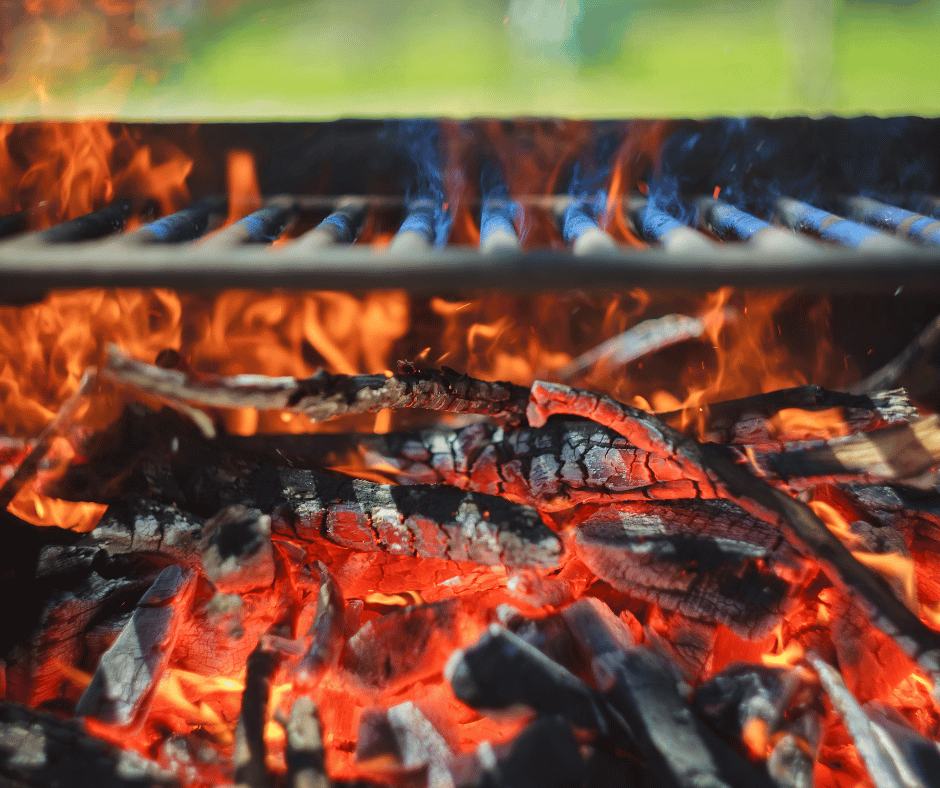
833 203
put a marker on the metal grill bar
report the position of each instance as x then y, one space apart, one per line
804 217
575 219
657 226
497 228
905 223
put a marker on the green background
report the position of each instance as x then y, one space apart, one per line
573 58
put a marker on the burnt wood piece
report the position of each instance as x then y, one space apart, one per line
916 353
544 755
306 761
920 755
237 555
641 340
641 692
502 670
788 764
402 740
31 462
142 527
708 560
878 762
34 673
711 469
679 749
324 395
425 521
250 750
122 688
325 634
403 646
900 452
40 750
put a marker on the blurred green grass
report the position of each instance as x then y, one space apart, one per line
368 58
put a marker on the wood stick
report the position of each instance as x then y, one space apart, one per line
250 750
323 395
306 767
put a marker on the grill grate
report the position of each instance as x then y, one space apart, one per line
880 246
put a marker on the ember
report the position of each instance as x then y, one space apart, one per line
258 550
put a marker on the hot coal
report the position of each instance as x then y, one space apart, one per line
38 750
237 555
502 671
250 755
325 632
128 672
544 755
403 740
306 767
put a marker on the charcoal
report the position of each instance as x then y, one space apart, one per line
778 697
250 748
123 685
34 674
403 739
677 747
306 767
788 764
502 671
544 755
237 556
549 634
59 563
596 629
607 769
403 646
688 644
917 758
881 767
699 558
325 633
40 750
141 526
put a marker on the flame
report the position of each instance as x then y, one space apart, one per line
244 195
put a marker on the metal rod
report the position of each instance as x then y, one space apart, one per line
89 227
806 218
417 232
263 226
184 225
659 227
340 227
13 223
28 273
909 224
730 223
575 219
497 228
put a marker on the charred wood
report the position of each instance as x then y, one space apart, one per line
250 750
237 555
708 560
788 764
917 757
679 749
402 740
123 685
325 634
882 769
39 750
323 395
544 755
711 469
596 629
306 766
403 646
34 675
502 671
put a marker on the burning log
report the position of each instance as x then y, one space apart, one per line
402 740
123 685
144 528
306 766
502 671
324 395
711 470
709 560
40 750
